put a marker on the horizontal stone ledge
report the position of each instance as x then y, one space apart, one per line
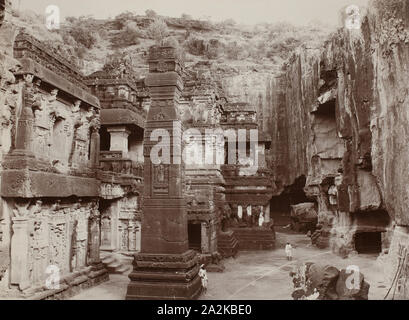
31 67
162 275
34 184
156 257
121 117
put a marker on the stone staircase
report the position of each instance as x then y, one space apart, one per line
227 244
255 238
116 263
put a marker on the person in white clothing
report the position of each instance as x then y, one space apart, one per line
203 276
289 251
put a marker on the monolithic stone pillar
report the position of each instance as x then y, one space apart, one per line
94 236
205 237
119 139
95 149
19 253
24 130
165 268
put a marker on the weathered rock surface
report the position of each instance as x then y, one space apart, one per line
341 118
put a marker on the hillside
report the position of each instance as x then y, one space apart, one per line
90 43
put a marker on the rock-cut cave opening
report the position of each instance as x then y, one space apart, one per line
280 206
368 242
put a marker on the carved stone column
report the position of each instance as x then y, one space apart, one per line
165 268
19 253
95 236
119 139
24 134
95 144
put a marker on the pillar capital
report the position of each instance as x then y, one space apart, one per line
119 139
121 129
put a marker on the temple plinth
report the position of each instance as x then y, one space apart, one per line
165 268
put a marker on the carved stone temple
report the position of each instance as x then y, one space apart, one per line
78 183
50 219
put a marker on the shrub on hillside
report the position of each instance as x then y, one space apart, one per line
123 19
150 13
158 31
195 46
84 36
129 35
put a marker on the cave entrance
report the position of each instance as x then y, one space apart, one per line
280 206
194 231
368 242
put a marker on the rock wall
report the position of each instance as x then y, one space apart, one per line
340 117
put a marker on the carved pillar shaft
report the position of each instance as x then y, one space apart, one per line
95 235
164 223
19 253
205 237
95 149
24 132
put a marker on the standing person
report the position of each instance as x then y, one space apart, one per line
203 276
289 251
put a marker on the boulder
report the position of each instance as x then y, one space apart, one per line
304 217
324 279
328 283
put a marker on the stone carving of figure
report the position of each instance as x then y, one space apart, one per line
255 218
73 247
261 219
53 95
161 173
332 193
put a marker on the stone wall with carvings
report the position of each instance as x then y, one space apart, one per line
50 219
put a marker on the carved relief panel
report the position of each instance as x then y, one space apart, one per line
160 179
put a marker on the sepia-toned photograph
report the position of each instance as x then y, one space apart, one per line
204 150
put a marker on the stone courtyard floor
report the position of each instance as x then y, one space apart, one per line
259 275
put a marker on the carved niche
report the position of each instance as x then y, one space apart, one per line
160 179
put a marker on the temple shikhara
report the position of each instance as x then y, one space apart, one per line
83 199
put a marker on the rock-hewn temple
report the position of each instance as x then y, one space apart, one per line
326 153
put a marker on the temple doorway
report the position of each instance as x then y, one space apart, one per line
195 236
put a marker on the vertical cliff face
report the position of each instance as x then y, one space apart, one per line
340 116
